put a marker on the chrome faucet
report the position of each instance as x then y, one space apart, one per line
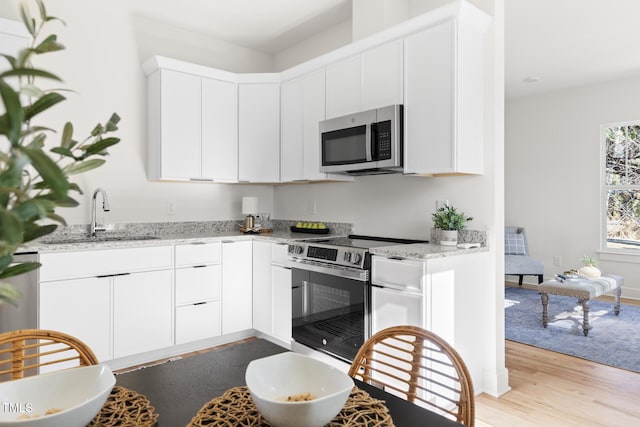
105 207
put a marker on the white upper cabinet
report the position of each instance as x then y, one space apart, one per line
382 76
192 122
343 87
209 124
371 79
443 99
259 132
292 131
174 125
302 108
219 130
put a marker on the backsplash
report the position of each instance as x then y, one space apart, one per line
465 236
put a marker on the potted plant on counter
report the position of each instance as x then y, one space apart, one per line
35 181
449 221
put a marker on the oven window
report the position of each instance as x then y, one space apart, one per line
328 313
344 146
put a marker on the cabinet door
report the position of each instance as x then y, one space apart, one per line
292 138
262 287
81 308
313 107
259 132
390 307
197 321
281 283
343 87
219 130
142 312
199 253
180 125
236 286
429 100
382 76
197 284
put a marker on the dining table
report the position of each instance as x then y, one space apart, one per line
178 388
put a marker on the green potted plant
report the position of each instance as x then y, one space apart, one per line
449 221
34 180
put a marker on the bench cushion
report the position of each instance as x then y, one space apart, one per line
584 288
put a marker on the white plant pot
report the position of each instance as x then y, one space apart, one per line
448 237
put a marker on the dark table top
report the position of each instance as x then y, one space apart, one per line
178 389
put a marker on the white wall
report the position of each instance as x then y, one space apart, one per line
321 43
106 45
552 172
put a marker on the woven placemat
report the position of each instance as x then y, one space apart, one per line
235 408
125 408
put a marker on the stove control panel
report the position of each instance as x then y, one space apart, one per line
337 255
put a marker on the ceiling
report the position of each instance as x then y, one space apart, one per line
569 43
265 25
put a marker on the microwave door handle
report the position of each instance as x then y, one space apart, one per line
367 138
374 141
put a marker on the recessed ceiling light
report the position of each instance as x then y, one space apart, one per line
531 79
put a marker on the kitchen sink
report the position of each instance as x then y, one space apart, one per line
98 239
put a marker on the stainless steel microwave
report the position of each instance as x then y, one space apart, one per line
368 142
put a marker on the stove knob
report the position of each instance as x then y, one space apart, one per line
356 258
298 250
347 256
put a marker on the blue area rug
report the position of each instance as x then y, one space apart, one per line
614 340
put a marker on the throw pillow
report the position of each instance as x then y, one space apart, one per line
514 244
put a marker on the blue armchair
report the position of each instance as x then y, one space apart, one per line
517 261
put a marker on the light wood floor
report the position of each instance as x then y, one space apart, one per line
552 389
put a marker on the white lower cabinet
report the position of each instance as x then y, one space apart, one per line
237 284
118 301
413 292
390 307
262 287
271 290
81 308
198 292
281 302
198 321
142 312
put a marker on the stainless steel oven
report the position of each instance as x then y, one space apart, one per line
331 293
330 308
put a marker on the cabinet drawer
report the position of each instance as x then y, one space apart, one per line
71 265
196 284
197 254
398 273
196 322
279 254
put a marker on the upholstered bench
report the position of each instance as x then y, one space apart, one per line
584 290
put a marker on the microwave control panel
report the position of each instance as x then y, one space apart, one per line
383 130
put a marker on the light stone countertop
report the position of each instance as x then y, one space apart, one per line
43 246
137 235
421 251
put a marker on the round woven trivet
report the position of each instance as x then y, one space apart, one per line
235 408
125 408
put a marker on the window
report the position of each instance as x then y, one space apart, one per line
621 186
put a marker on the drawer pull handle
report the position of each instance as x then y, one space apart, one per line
112 275
200 303
199 266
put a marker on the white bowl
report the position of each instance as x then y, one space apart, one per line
79 393
272 379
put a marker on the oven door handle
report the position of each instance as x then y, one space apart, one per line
344 272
